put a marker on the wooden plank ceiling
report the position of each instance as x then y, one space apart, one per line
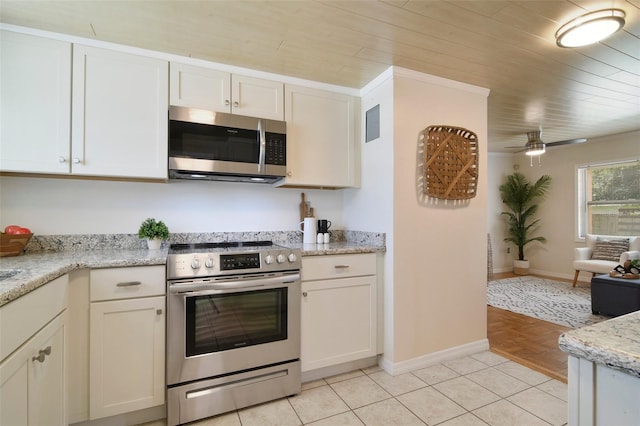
506 46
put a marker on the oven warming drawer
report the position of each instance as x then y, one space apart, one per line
207 398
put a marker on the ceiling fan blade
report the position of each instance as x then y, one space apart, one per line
566 142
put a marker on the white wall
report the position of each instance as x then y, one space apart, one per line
500 165
50 206
370 208
558 211
440 271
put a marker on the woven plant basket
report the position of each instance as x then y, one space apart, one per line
450 163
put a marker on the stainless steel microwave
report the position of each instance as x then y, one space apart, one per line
220 146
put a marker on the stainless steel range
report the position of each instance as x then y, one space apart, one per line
233 327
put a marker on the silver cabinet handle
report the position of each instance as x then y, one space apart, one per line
76 160
304 293
226 102
42 353
341 266
236 104
128 283
62 160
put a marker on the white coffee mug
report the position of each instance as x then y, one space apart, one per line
308 229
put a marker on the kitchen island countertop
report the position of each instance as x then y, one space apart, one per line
614 343
27 272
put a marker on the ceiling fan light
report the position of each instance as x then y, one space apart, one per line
535 148
590 28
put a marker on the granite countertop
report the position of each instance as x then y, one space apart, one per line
34 270
336 248
614 343
21 274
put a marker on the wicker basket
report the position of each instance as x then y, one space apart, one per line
13 244
450 163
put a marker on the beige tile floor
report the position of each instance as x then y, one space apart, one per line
481 389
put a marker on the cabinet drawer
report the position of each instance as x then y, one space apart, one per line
125 283
22 318
338 266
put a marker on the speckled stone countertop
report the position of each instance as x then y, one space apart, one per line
49 257
34 270
614 343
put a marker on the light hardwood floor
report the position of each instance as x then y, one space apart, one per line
526 340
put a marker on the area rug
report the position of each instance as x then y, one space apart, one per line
548 300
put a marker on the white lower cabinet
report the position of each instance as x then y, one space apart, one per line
600 395
126 340
338 311
32 379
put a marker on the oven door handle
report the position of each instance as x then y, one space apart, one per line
201 289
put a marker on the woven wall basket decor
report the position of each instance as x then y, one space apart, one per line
450 163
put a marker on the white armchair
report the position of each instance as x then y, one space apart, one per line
584 262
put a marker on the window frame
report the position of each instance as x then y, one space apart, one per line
581 205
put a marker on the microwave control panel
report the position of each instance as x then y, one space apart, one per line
276 149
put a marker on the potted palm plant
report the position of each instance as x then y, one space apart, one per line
522 198
154 232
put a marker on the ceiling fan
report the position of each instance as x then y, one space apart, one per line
536 146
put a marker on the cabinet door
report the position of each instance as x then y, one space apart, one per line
119 116
127 339
321 135
256 97
32 379
197 87
338 321
35 104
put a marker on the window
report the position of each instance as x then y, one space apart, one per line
609 198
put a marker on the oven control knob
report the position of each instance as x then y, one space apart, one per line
281 258
195 263
269 259
292 257
208 263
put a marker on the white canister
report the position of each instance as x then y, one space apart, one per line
308 229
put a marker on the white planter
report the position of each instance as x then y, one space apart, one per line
521 267
154 244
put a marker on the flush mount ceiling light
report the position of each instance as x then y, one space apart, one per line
590 28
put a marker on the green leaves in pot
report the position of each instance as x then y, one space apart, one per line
151 229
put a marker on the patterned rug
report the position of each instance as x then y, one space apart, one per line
548 300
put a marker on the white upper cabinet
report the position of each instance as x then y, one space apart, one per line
321 138
204 88
35 104
119 114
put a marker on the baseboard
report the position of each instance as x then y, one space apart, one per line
433 358
550 274
320 373
569 277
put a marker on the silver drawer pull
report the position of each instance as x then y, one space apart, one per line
341 266
128 284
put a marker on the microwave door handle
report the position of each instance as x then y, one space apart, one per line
263 148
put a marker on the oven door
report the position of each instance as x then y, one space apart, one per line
226 326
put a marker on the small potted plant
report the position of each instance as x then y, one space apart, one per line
154 232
